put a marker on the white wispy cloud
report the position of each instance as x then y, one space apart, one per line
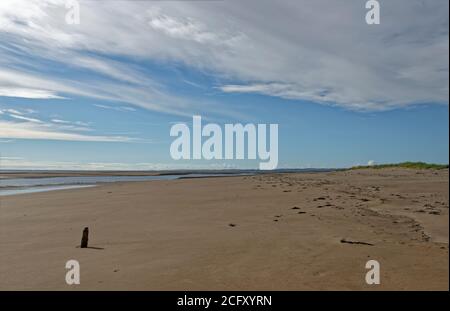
146 96
9 110
21 126
117 108
114 69
72 123
32 130
20 117
183 28
27 93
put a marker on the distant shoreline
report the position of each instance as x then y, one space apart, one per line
6 174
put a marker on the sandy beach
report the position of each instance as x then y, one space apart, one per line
302 231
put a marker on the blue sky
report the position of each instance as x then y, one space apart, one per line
103 94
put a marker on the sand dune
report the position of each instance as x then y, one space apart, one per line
266 232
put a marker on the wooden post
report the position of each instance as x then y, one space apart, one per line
84 238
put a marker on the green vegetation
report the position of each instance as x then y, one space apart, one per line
413 165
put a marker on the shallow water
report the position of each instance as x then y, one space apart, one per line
76 180
15 191
15 186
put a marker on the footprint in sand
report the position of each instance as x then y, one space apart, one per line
434 213
319 198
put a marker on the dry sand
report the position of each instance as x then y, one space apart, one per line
268 232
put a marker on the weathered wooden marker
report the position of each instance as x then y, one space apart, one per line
85 238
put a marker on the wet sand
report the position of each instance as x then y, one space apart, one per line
305 231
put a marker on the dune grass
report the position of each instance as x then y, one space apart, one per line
412 165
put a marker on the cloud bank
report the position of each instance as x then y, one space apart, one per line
319 51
